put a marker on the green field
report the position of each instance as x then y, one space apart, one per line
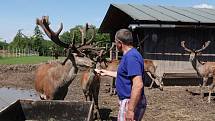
25 60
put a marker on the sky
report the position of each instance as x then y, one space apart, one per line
22 14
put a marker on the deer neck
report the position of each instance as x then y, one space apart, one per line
196 65
71 71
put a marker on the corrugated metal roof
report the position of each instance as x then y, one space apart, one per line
169 14
121 15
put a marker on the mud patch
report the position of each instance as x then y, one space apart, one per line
175 103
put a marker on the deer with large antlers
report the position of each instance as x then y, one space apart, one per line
53 79
204 70
90 80
90 84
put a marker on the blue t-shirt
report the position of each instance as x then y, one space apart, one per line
131 65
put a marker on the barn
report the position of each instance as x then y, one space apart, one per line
159 30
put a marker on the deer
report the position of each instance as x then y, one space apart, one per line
90 84
90 79
203 69
149 66
53 79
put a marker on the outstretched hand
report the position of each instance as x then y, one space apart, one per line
102 72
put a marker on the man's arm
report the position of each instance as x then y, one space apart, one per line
135 92
106 72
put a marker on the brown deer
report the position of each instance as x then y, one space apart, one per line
150 69
53 79
90 84
204 70
90 79
150 66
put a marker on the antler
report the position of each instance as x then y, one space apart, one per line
204 46
84 31
111 48
54 36
185 48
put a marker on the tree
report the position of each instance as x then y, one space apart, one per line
3 45
68 36
38 40
20 41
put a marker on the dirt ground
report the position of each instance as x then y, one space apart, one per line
175 103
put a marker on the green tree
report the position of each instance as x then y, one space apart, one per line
37 41
3 45
68 36
20 41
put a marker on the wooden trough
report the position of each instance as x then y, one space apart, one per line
29 110
181 79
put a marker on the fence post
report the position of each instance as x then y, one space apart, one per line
116 53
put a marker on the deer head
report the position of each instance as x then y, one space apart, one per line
194 53
100 56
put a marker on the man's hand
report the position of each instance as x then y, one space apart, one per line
103 72
129 115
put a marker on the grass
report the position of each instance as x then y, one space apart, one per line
25 60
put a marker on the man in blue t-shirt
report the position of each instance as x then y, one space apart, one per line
129 78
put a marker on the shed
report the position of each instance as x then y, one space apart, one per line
161 29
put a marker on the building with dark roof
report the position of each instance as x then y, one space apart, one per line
159 30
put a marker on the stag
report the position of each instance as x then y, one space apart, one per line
90 79
53 79
90 84
204 70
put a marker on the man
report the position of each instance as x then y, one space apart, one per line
129 79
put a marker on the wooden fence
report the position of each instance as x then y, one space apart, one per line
15 52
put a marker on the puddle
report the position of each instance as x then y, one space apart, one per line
9 95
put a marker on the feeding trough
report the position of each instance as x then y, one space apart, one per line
29 110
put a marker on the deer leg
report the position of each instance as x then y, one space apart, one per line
95 95
203 85
86 94
153 80
160 82
112 88
64 93
91 97
43 97
210 91
86 97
